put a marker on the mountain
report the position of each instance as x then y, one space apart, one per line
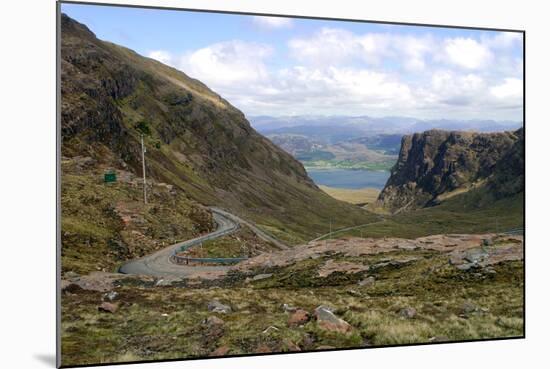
374 152
200 151
297 144
436 165
388 144
332 129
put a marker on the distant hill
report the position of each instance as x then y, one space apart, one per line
437 165
332 129
375 152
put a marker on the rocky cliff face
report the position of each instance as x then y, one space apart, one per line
196 141
435 165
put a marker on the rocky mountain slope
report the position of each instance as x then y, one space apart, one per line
436 165
200 151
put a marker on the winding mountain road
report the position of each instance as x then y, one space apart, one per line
158 264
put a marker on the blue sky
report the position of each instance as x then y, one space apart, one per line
289 66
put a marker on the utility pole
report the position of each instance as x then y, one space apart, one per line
143 169
330 229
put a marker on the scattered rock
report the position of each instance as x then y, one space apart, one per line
108 307
289 309
214 330
367 282
72 276
347 267
398 263
167 281
213 321
438 339
407 313
328 321
220 351
100 281
407 246
308 340
110 296
466 267
469 307
69 287
299 317
354 293
217 307
259 277
475 256
263 349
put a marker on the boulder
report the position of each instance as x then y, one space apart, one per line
72 276
213 321
367 282
108 307
407 313
328 321
298 318
263 349
220 351
217 307
289 309
259 277
110 296
439 339
69 287
469 307
167 281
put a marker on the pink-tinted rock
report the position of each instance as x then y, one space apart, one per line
220 351
108 307
299 317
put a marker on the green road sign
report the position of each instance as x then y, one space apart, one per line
110 177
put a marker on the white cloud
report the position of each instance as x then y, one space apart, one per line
228 63
414 50
467 53
449 88
336 86
504 40
162 56
332 46
335 71
272 22
510 88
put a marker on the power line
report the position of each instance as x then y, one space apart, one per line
143 170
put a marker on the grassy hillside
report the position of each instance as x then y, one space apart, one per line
196 142
360 196
104 224
475 211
